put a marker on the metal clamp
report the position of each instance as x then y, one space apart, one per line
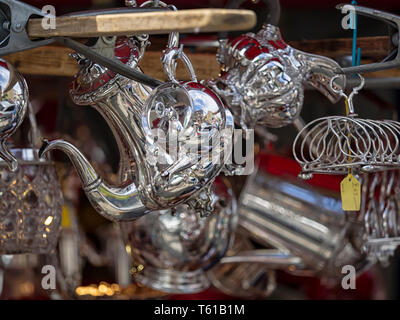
393 21
14 20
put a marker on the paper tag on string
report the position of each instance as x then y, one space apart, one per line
65 218
350 190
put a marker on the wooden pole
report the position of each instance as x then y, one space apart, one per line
159 22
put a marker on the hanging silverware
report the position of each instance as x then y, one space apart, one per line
337 144
262 78
172 249
170 139
13 106
30 205
380 214
300 221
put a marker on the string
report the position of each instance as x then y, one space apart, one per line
356 59
346 102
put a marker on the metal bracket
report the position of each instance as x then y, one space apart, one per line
19 14
393 21
17 18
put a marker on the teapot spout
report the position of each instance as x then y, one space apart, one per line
320 71
116 204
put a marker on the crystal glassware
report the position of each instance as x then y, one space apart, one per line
30 205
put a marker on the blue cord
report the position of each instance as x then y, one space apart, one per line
354 52
358 56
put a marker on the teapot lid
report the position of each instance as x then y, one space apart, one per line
93 81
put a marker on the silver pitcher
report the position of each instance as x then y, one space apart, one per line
301 220
154 173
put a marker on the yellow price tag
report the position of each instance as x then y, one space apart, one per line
65 219
350 190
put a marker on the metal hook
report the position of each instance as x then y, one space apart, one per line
173 40
338 91
393 21
356 89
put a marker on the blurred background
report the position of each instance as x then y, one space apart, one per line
57 116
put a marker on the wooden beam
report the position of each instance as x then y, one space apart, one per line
54 60
370 46
161 22
205 66
48 61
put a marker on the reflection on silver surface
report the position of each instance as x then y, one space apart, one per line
245 278
13 106
336 144
272 258
262 78
301 220
114 253
171 250
69 255
152 177
380 214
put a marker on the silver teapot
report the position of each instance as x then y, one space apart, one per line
262 78
166 136
13 106
172 249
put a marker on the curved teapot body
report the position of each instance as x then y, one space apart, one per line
168 138
262 78
175 247
13 106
